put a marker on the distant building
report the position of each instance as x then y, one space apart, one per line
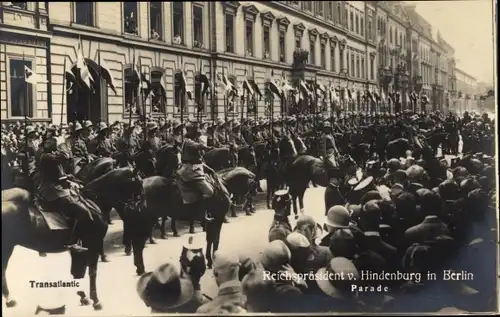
468 97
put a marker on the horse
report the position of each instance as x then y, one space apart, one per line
163 198
247 157
307 168
241 183
220 158
24 225
168 160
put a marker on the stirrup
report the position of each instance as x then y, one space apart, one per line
208 217
76 248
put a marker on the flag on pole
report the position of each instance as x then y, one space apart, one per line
247 86
106 74
85 75
274 87
70 80
31 77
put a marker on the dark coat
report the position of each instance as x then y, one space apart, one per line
231 293
428 230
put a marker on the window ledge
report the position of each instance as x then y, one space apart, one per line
83 27
157 41
180 45
131 36
16 9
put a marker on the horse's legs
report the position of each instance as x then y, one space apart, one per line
191 226
173 226
301 200
6 253
162 228
93 259
294 204
127 240
151 238
213 238
138 243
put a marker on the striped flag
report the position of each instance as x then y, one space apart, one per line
85 75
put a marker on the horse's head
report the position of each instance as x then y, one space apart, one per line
247 154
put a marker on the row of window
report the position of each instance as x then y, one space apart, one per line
337 12
397 37
84 14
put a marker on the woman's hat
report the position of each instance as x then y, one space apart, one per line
164 289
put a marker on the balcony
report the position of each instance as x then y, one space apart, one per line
27 15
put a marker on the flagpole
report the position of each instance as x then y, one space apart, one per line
26 110
63 93
135 95
99 74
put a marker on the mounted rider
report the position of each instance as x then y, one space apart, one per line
55 190
104 147
79 147
191 175
28 151
219 134
329 148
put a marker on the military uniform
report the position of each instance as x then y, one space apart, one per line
191 174
104 147
329 149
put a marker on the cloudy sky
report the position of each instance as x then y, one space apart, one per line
468 27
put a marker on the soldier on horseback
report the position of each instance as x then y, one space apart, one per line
329 148
55 191
103 147
192 172
79 146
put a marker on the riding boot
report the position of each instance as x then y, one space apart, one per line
73 245
208 216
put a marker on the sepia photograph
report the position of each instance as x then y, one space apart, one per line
249 157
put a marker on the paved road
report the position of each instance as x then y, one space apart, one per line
117 279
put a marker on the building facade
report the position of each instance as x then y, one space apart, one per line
468 97
359 45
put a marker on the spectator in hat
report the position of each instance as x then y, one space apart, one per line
332 292
338 217
372 241
300 249
226 270
260 292
165 291
431 227
274 259
319 254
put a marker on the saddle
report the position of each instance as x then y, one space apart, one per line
47 220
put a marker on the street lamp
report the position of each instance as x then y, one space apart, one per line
417 83
385 78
